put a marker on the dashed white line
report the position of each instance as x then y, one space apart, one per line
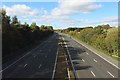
99 55
39 66
83 60
66 59
25 65
68 73
45 56
1 71
93 73
40 50
34 56
87 53
20 58
110 74
95 60
14 62
23 56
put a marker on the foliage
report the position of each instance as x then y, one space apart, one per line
16 35
103 37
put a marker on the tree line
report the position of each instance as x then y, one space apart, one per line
16 35
102 37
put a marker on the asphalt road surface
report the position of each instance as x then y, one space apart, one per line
39 62
87 64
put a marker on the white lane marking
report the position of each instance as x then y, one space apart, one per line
68 73
66 59
34 56
87 53
95 60
110 74
23 56
1 71
55 64
93 73
77 74
25 65
15 62
39 66
45 56
99 55
83 60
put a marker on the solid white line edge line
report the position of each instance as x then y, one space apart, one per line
98 55
22 56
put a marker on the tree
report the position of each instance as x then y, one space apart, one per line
25 24
34 27
5 21
15 21
50 27
16 36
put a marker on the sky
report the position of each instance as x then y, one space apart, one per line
64 13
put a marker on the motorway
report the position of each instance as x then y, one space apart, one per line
87 64
39 62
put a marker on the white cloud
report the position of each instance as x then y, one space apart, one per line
67 7
112 20
75 6
60 14
20 10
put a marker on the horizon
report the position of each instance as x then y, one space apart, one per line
64 14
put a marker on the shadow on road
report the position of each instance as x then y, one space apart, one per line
78 67
80 51
75 57
75 62
76 50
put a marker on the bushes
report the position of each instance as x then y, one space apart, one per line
103 37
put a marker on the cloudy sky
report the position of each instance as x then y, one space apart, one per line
64 13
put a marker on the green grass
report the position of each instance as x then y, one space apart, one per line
102 51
